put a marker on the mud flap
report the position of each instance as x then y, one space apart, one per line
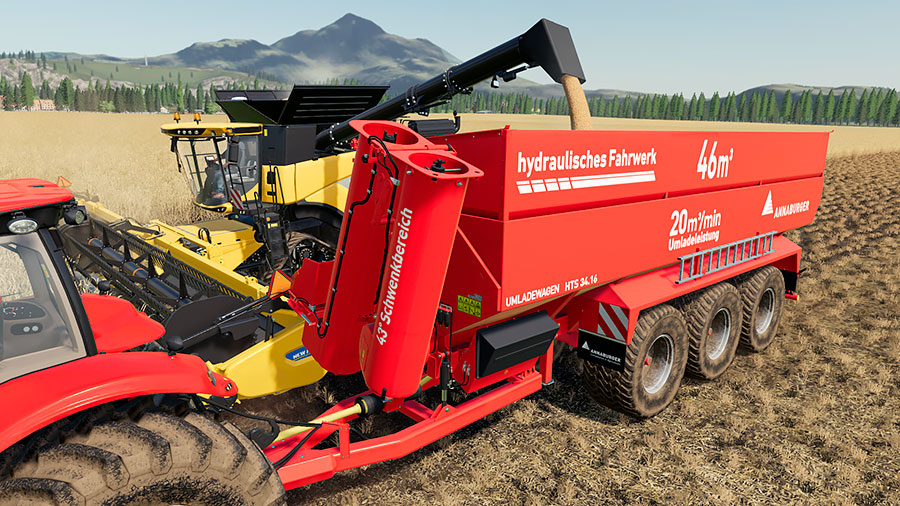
601 350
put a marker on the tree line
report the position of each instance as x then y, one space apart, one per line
108 98
872 107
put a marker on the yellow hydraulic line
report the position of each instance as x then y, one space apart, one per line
337 415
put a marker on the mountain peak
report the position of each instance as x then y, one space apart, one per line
360 26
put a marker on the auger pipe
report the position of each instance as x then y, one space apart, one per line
546 44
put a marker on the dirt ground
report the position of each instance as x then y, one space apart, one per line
813 420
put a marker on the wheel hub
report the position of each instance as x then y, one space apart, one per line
658 363
765 311
718 334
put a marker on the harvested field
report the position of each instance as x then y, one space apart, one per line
812 420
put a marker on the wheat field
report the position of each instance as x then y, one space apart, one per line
124 161
813 420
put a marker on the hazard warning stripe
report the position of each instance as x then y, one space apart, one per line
236 199
578 182
613 322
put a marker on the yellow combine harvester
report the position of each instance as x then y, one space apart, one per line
278 173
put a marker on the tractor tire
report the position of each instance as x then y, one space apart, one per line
645 387
713 317
160 460
762 295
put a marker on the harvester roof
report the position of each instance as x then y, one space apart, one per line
204 129
320 105
21 194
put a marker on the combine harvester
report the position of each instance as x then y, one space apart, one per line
668 254
279 173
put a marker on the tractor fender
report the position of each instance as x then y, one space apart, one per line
36 400
117 325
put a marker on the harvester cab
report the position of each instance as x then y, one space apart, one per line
220 162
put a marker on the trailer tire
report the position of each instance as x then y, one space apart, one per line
640 390
762 296
161 459
713 318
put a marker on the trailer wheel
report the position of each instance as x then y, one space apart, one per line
654 366
162 459
762 295
713 319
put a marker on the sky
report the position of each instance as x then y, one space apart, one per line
656 47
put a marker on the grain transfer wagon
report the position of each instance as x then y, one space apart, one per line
463 260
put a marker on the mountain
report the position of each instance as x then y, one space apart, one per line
351 47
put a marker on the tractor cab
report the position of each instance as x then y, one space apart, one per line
44 321
219 160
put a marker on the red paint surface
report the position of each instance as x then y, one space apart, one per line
117 325
42 397
16 194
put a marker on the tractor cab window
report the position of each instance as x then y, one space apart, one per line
211 176
37 326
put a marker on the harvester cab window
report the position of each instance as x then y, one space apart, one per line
244 173
210 174
37 325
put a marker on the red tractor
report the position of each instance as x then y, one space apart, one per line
92 414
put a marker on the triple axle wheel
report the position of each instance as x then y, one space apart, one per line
700 338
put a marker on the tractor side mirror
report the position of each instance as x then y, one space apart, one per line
174 344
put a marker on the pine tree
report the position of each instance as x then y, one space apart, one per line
797 113
841 108
850 112
713 114
862 112
764 107
754 107
875 100
787 105
27 91
829 107
692 108
890 107
179 96
819 109
773 114
743 109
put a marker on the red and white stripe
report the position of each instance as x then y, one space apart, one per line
236 199
574 183
613 322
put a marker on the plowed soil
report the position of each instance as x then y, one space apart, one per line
814 419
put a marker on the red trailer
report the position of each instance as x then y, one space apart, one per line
463 259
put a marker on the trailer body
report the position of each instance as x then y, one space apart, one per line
561 236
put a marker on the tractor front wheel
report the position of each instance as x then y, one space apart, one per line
159 460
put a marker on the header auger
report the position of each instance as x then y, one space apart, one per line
667 254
